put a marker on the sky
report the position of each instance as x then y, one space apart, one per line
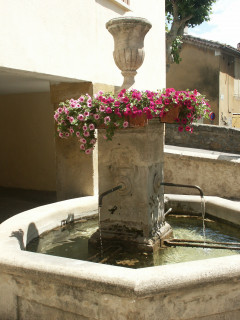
224 25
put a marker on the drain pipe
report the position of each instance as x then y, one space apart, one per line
168 184
100 199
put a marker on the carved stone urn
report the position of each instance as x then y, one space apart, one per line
128 33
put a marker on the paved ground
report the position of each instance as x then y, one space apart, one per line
14 201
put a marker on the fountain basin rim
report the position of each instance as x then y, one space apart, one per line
113 279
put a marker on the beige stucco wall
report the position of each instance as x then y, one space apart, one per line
199 69
27 142
227 102
68 38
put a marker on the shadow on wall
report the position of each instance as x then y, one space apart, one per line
32 233
111 6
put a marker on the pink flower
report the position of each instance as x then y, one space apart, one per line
81 99
56 116
189 115
60 110
71 130
60 134
88 151
107 119
104 137
78 134
82 147
96 116
86 134
180 128
67 134
117 103
71 119
83 140
108 110
85 127
86 113
187 128
93 141
125 124
102 108
80 117
184 121
91 126
125 99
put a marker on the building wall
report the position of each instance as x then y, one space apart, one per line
68 38
27 142
226 89
199 69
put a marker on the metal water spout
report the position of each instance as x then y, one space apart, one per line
128 33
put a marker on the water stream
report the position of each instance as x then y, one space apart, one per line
72 242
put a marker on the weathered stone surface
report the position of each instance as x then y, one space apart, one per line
209 137
38 286
133 159
216 173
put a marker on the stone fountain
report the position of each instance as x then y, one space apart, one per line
133 159
38 286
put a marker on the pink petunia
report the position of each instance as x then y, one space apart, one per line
60 134
91 126
86 114
71 130
180 128
81 99
108 110
125 124
184 121
107 119
85 127
96 116
67 134
56 116
93 141
82 147
80 117
102 108
88 151
78 134
83 140
86 134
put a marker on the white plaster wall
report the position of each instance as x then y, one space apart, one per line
68 38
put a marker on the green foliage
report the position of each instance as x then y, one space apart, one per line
176 48
198 9
181 14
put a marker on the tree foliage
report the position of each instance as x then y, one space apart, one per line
181 14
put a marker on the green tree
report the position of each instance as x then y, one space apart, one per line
181 14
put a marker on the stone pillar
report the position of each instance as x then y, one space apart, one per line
133 159
74 177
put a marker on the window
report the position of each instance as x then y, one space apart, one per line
237 78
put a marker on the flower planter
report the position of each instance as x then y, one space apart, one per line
171 115
139 121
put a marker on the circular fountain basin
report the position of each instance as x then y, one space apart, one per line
38 286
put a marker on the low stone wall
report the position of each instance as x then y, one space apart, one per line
217 174
204 136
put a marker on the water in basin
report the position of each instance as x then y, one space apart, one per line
72 242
